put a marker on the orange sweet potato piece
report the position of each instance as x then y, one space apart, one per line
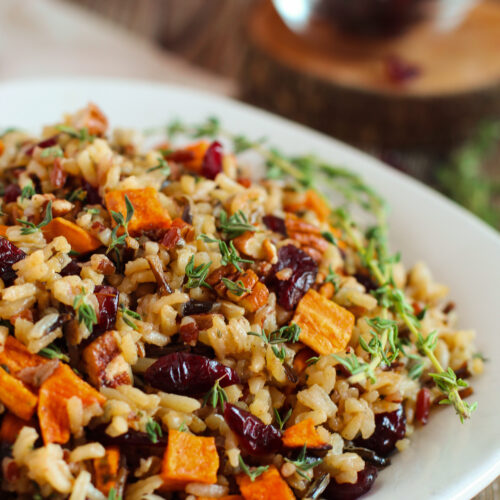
304 433
16 396
148 211
11 425
91 118
325 326
189 458
266 486
2 147
80 240
104 363
3 230
191 156
300 359
225 497
54 394
15 356
106 470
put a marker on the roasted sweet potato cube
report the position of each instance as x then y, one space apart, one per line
269 485
325 326
16 396
190 458
80 240
11 426
53 397
191 156
106 470
149 214
304 433
104 362
3 230
226 497
15 356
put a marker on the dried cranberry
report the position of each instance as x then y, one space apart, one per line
304 270
12 191
276 224
400 71
423 405
212 161
9 254
350 491
196 307
107 297
253 434
389 428
71 269
188 374
366 281
46 143
93 196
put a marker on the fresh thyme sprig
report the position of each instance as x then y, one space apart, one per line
78 194
28 191
55 151
304 464
287 333
153 430
238 287
53 352
127 314
282 421
121 223
162 166
235 225
113 494
216 395
85 313
333 278
254 472
30 228
196 275
81 134
228 252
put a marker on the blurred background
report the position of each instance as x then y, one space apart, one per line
414 82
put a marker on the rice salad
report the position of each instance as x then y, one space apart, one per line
195 320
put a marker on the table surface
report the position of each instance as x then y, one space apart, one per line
71 42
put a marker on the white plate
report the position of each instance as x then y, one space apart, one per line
447 460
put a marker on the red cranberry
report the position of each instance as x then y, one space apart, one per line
304 270
46 143
350 491
389 428
254 435
188 374
276 224
423 405
12 191
93 196
212 161
400 71
71 269
107 297
9 255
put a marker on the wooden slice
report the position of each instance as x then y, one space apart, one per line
351 88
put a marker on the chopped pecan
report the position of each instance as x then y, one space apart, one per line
57 174
104 362
189 330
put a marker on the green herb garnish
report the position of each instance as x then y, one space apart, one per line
127 314
153 430
162 166
304 464
28 191
229 253
54 151
254 472
196 275
216 395
237 288
282 421
121 222
30 228
85 313
235 225
53 352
